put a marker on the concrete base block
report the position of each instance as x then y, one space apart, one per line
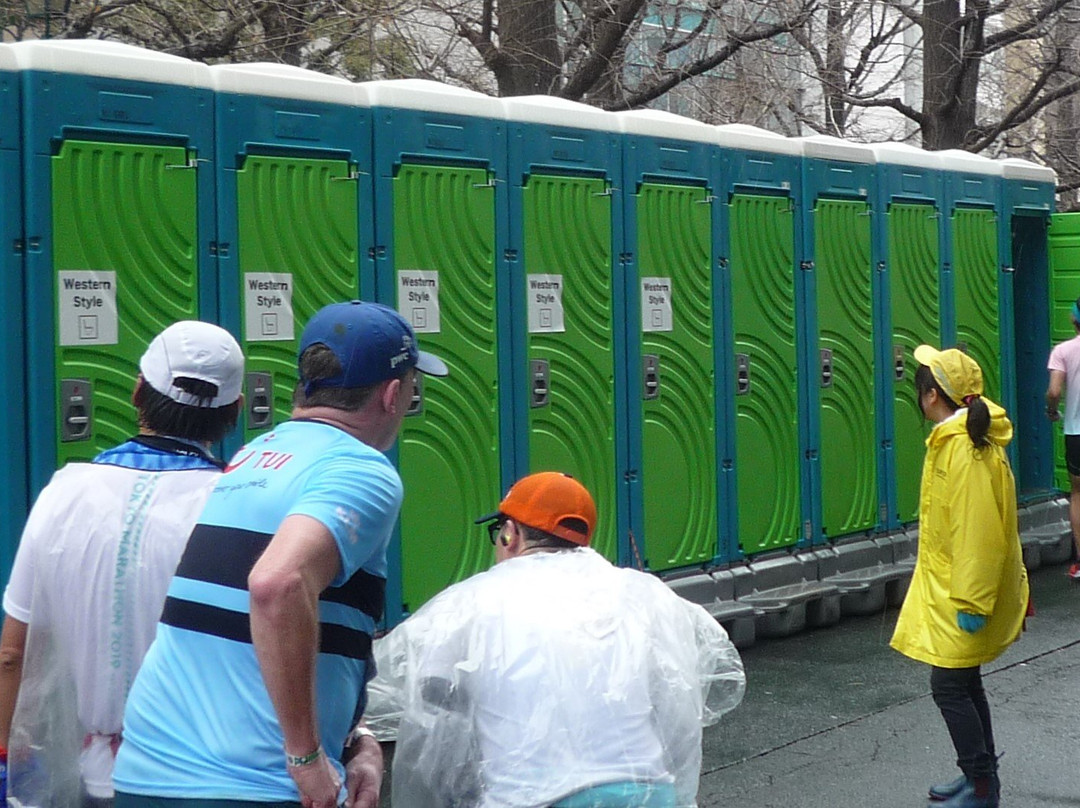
741 631
1032 556
783 622
896 591
699 588
1059 552
824 611
869 601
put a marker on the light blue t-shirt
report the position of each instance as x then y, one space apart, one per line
199 722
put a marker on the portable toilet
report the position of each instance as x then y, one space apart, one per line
440 211
569 302
119 224
761 191
1028 201
676 296
1028 191
13 432
842 294
295 216
1064 259
910 230
978 306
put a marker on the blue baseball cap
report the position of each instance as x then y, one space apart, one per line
371 341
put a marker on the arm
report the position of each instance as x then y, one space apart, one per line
299 563
12 647
1053 394
978 486
363 770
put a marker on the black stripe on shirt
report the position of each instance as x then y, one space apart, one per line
363 591
226 555
236 626
222 555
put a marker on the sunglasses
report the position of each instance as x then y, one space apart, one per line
494 527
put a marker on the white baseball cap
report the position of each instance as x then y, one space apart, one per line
194 350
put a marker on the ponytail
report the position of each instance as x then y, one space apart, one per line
978 421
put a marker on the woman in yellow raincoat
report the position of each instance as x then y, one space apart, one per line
969 593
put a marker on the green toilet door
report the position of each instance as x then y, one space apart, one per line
846 352
297 251
975 273
766 395
1064 238
448 450
913 276
674 252
125 266
568 260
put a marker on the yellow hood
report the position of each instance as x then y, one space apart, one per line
1001 428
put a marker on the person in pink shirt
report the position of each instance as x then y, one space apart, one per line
1064 366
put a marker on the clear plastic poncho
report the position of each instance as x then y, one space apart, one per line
93 566
550 674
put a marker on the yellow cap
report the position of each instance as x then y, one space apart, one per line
956 373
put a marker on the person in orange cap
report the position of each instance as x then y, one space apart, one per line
969 592
554 678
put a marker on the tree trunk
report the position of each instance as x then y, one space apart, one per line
1063 120
950 74
285 31
835 80
529 48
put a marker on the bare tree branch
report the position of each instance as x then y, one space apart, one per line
736 42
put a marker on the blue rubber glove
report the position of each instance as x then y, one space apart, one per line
970 622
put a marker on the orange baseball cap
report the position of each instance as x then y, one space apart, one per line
550 501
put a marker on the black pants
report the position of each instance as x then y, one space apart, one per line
959 694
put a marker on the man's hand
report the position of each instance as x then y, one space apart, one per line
363 774
318 783
1053 415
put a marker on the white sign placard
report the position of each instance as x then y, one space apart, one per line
87 307
268 312
656 304
545 304
418 299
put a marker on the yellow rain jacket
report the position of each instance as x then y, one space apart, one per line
969 550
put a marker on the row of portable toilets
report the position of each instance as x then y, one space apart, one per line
710 326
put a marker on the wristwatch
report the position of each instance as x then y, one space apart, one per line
358 732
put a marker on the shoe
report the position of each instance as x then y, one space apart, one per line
1074 571
967 798
944 791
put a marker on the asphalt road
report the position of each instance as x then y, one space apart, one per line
834 717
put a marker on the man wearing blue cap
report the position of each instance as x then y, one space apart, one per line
1064 367
265 637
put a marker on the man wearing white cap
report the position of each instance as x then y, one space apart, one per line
89 579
